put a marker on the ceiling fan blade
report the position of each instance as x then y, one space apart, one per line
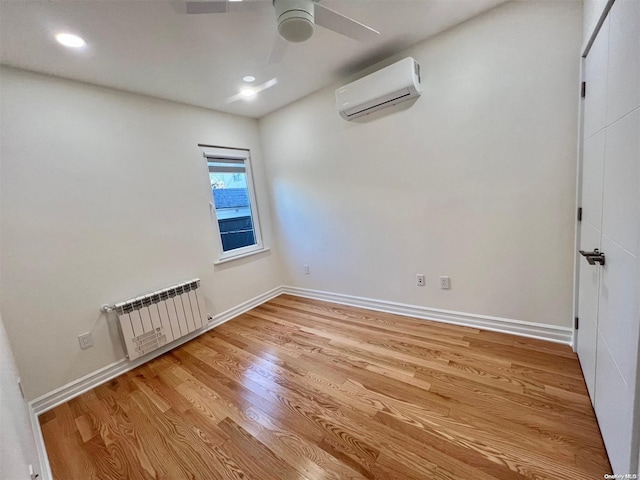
251 5
219 6
208 6
279 49
337 22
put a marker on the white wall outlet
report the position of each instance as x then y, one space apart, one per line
306 269
209 318
420 280
445 283
86 340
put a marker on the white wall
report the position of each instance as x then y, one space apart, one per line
476 180
17 444
105 195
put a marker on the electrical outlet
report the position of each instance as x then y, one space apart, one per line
420 280
32 474
306 269
86 340
445 283
209 318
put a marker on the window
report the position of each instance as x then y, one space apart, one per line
234 201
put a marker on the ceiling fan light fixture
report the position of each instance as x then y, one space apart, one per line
296 29
295 19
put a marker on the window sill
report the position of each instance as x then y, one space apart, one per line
241 255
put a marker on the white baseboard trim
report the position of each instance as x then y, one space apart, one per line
44 469
78 387
540 331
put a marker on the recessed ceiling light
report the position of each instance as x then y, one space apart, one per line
249 78
70 40
248 92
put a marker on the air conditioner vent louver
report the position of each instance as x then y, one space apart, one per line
389 86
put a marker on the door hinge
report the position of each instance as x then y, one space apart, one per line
577 323
579 214
583 89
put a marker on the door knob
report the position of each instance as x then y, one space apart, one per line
593 257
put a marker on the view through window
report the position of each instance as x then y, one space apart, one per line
234 200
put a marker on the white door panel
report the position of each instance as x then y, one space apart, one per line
589 274
624 59
621 196
592 171
588 307
595 105
614 409
617 316
587 347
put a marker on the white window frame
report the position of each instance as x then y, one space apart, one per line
224 153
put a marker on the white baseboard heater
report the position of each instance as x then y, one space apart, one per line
155 319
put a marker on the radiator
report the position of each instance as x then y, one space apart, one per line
155 319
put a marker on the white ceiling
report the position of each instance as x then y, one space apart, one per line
146 46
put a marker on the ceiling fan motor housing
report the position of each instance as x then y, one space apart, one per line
295 19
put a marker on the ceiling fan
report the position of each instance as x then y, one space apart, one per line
296 19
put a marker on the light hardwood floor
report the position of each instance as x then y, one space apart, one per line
303 389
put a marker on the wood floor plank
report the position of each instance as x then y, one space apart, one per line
306 456
249 446
303 389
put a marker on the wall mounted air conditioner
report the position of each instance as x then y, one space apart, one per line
389 86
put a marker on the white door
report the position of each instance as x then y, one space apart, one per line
609 324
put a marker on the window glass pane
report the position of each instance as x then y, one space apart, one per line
233 205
